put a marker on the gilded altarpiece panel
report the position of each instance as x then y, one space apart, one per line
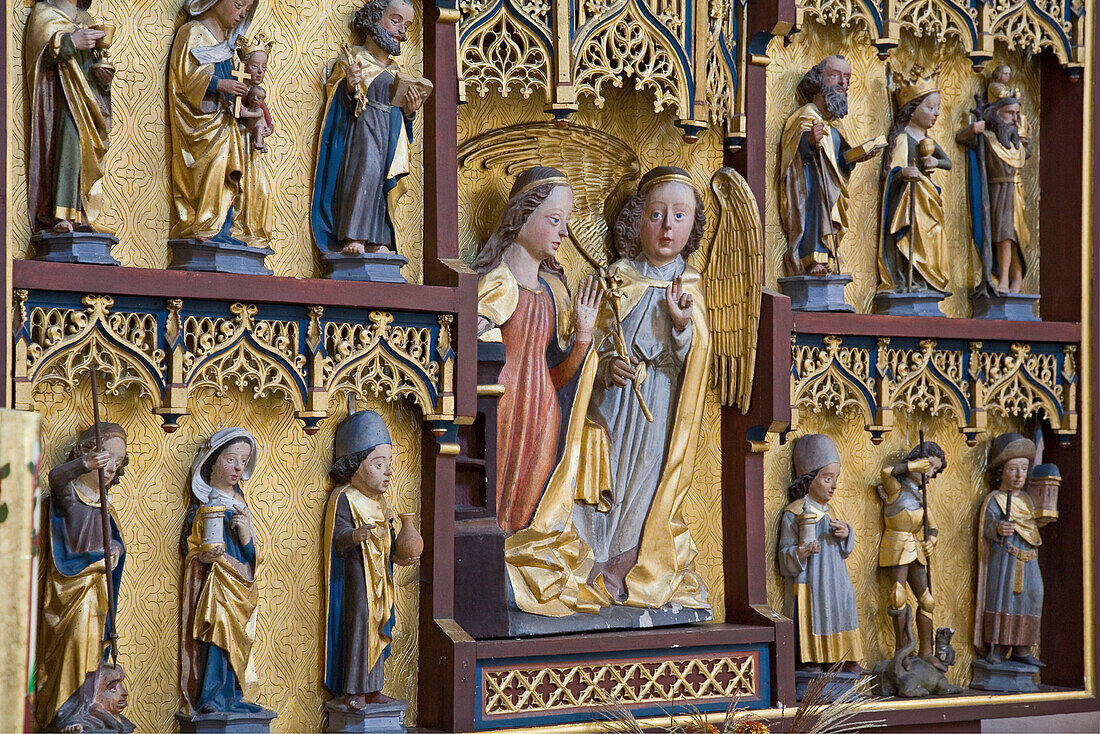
628 117
955 497
307 35
868 117
287 495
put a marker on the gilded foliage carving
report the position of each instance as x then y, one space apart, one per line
936 18
236 349
575 51
1021 383
960 380
831 377
625 45
502 55
1023 25
548 688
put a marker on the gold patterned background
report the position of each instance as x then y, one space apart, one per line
629 116
307 37
868 117
286 495
954 496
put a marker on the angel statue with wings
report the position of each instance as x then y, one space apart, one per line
608 527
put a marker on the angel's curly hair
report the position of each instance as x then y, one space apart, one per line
517 211
625 233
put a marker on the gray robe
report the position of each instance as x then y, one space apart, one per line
825 574
362 211
637 448
1009 618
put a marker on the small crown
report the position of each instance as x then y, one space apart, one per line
259 42
918 84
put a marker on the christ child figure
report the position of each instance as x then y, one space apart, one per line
254 112
257 119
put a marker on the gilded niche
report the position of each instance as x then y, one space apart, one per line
135 186
286 496
868 117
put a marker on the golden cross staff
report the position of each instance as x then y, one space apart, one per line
240 75
618 336
360 94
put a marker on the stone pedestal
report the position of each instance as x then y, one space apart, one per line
378 267
834 689
917 303
224 721
812 293
190 254
87 248
1005 306
375 717
1008 676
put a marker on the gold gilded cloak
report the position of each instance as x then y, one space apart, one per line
90 111
498 294
220 608
73 613
792 182
255 219
207 151
376 569
923 200
548 562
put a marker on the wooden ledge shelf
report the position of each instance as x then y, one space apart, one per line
148 282
624 640
852 324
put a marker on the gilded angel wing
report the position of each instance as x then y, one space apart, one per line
733 277
602 169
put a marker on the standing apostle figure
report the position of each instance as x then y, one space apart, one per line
813 170
69 91
1006 149
363 151
360 548
1010 583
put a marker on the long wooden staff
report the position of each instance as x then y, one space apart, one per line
924 506
105 520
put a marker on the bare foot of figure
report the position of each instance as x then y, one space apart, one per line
353 247
1017 286
818 270
377 697
63 226
1003 287
377 248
